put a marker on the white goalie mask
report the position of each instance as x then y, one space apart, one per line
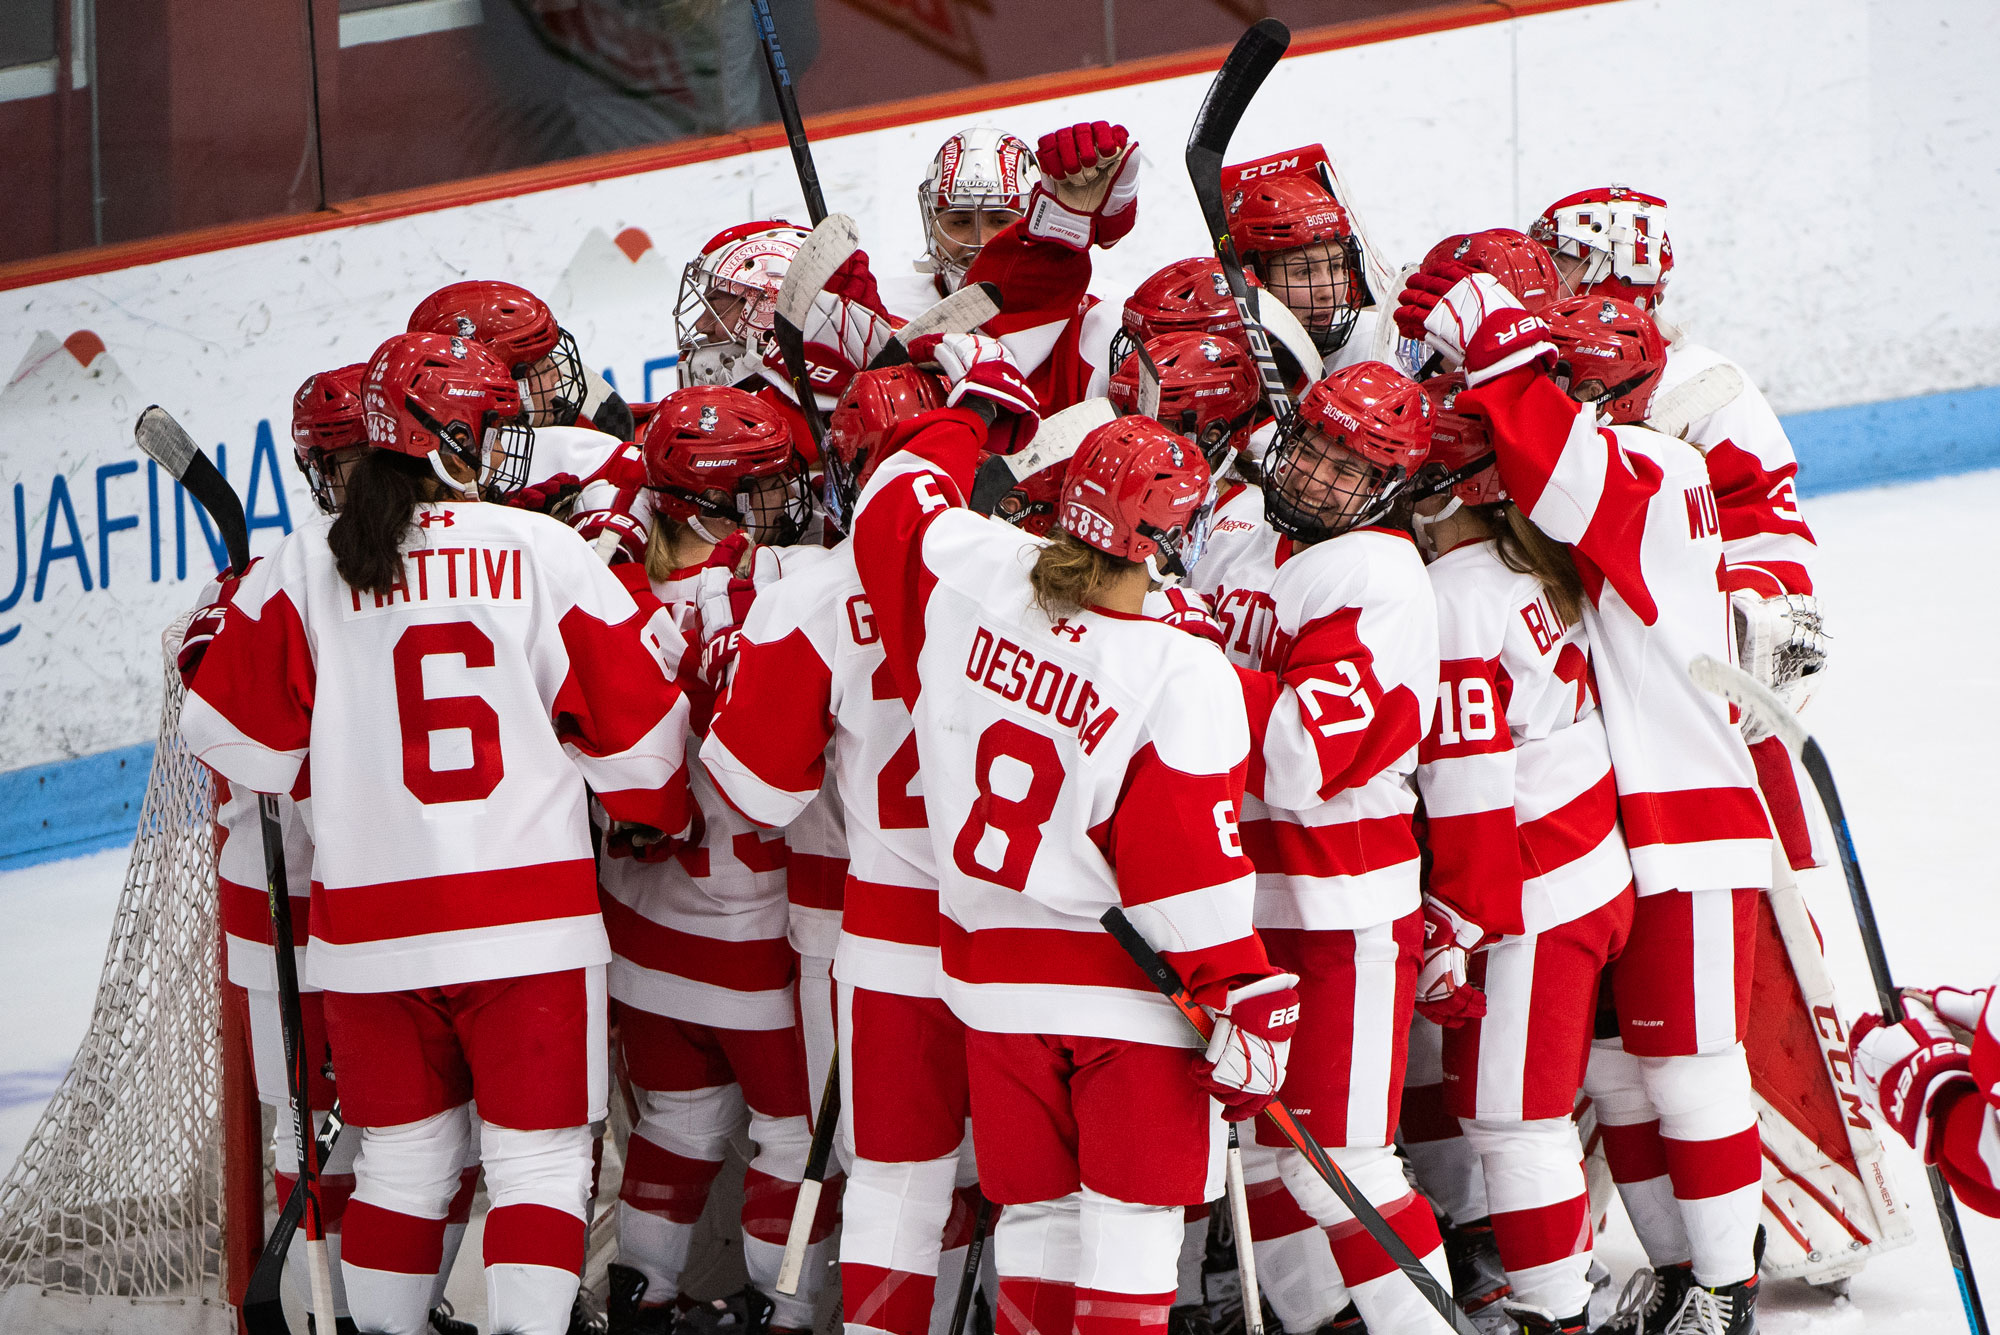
1621 236
729 300
979 170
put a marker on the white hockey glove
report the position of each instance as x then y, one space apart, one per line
1958 1008
1781 642
1481 327
1244 1066
1444 996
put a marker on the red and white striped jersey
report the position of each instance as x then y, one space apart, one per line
242 894
1055 331
1070 764
1519 802
1340 673
1766 546
701 934
1966 1135
1640 516
816 874
451 725
814 700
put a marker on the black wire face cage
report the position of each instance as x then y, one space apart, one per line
839 487
313 463
1314 491
515 444
773 510
1565 377
553 389
1334 336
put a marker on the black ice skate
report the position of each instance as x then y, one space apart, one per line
1727 1309
1478 1278
444 1321
1541 1321
1651 1300
624 1314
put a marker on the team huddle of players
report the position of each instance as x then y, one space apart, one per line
774 756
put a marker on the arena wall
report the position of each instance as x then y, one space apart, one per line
1836 218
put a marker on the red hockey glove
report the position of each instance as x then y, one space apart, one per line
1188 611
1481 327
544 497
854 281
1089 191
614 535
978 366
203 626
1421 293
1905 1067
641 843
1443 995
1244 1066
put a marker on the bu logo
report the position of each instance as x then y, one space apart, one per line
442 518
1066 627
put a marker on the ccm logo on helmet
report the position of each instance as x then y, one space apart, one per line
1278 168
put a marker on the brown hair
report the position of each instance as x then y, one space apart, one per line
383 491
660 565
1068 573
1528 550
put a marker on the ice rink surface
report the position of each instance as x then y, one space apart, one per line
1905 574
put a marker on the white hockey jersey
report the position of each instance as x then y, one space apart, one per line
451 726
242 895
1336 646
1640 516
813 701
1520 805
1070 764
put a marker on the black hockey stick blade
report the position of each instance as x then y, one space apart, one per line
968 1278
1255 54
1149 384
960 313
1060 435
1163 977
167 443
788 110
263 1299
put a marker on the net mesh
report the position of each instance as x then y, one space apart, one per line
118 1193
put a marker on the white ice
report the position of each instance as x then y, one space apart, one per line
1905 574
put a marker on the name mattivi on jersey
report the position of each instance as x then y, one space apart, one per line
488 573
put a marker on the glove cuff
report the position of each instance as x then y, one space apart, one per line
1263 987
1049 219
1540 350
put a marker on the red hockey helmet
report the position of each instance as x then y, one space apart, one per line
1302 244
1610 241
327 421
729 301
1458 441
719 453
1138 491
869 410
429 394
1209 390
1187 297
1347 452
1523 267
519 328
1610 343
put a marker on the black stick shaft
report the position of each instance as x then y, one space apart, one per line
788 110
968 1278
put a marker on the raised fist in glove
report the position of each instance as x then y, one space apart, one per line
1184 609
1089 191
978 368
1478 325
1245 1062
1905 1067
1443 995
1423 290
544 498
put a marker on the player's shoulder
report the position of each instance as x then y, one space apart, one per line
1687 359
808 594
1366 564
1674 457
1477 594
580 451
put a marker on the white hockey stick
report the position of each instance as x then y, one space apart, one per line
960 313
1246 1254
1700 395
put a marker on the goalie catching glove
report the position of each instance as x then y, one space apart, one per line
1089 191
1444 997
1244 1066
1781 642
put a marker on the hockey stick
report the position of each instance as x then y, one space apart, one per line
960 313
788 110
968 1278
1239 1222
1060 435
1695 398
1162 976
1255 54
263 1302
800 1234
1759 702
165 442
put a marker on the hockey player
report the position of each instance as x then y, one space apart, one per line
1190 296
1333 628
1637 508
1076 756
813 699
702 975
1297 232
1935 1079
1530 888
455 929
1209 391
976 187
1055 330
557 388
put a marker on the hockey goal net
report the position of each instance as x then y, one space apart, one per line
112 1218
